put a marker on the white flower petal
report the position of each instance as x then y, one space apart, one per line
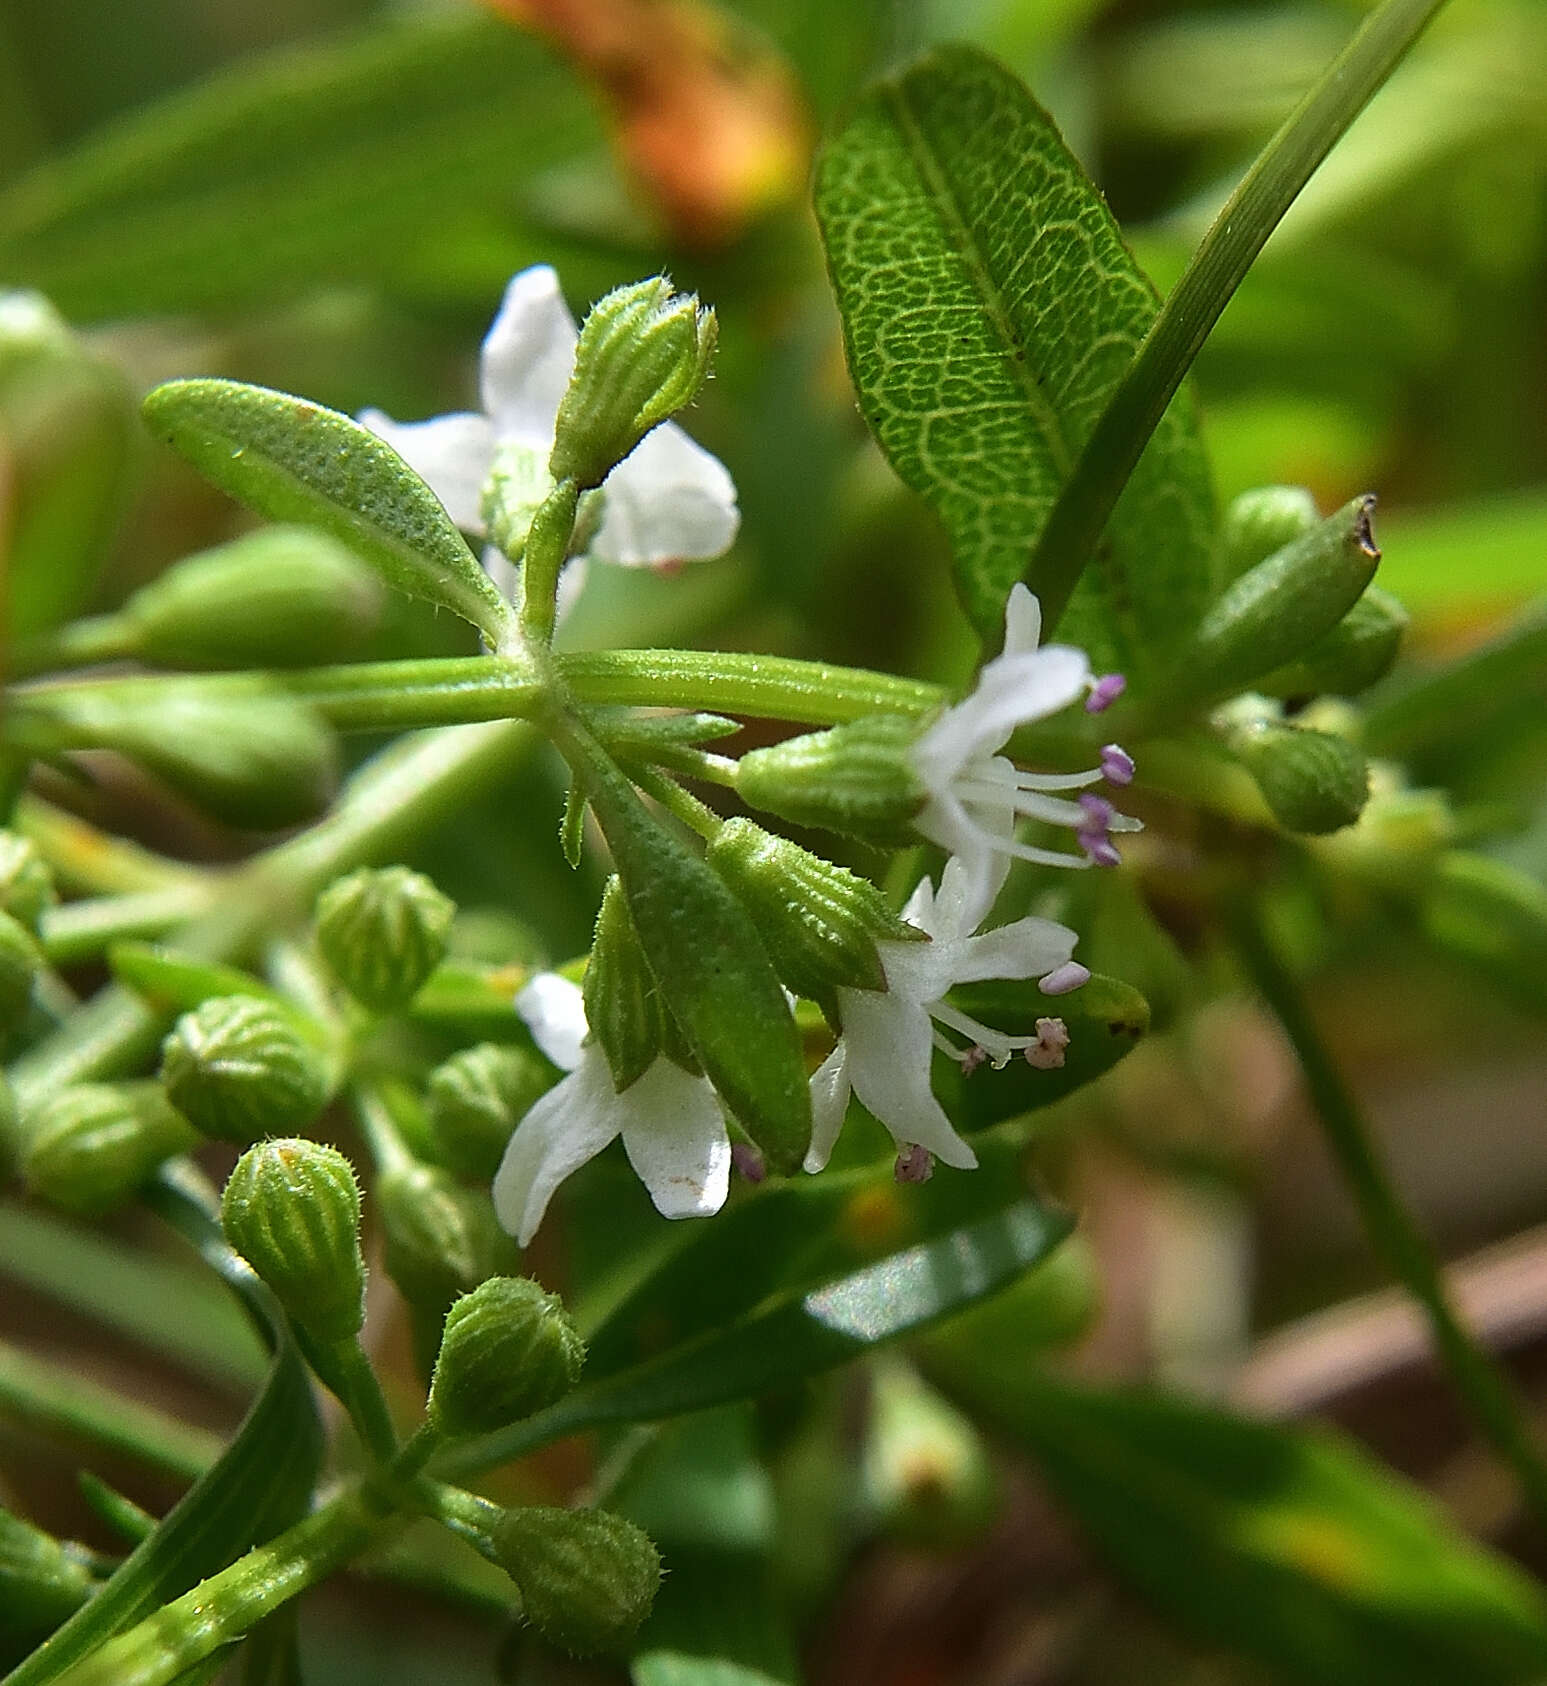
571 1124
451 454
553 1009
889 1048
675 1139
1022 621
1025 949
829 1103
528 357
668 500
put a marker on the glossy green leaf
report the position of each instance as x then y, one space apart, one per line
353 160
260 1484
1287 1545
990 307
292 460
798 1332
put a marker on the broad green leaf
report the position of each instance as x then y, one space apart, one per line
796 1334
354 160
260 1484
1288 1545
292 460
990 307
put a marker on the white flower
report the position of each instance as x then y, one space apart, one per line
975 795
669 500
672 1128
889 1036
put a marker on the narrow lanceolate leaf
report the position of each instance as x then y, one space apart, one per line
990 307
292 460
1288 1546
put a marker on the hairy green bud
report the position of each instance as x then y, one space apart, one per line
1359 650
507 1351
477 1098
291 1208
587 1577
238 1067
383 931
623 1004
26 884
89 1148
1280 608
41 1584
1263 520
1314 782
441 1239
644 352
280 597
20 962
857 779
819 922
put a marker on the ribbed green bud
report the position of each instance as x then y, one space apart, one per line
1313 781
26 884
477 1098
856 779
1277 610
587 1577
644 352
623 1005
507 1351
442 1240
238 1067
291 1208
19 965
41 1584
254 759
281 597
91 1147
1359 650
819 922
1261 521
925 1472
383 931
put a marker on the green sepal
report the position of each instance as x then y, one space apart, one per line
89 1148
857 779
281 597
292 460
622 1003
708 960
1280 608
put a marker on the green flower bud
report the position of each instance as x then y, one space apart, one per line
508 1350
254 759
1359 650
442 1240
587 1577
291 1208
623 1005
383 931
925 1472
1261 521
41 1584
1313 781
281 597
1280 608
26 884
856 779
477 1098
819 922
91 1147
239 1068
644 352
19 965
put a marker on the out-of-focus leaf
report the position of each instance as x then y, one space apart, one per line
296 461
347 161
990 307
1493 916
1286 1545
260 1484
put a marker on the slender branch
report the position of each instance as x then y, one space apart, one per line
1485 1390
1219 265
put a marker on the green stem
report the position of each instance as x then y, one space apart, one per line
1485 1390
359 1391
83 929
95 862
1218 267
